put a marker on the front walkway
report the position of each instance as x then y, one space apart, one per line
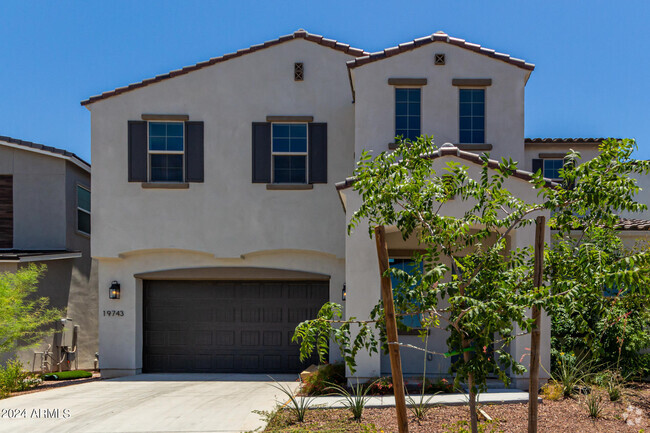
147 403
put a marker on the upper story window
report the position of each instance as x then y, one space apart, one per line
409 266
289 152
552 167
166 152
83 210
472 116
407 112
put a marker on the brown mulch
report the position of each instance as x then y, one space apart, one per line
563 416
49 384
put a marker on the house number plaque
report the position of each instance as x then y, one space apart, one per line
114 313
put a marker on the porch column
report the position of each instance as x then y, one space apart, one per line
362 282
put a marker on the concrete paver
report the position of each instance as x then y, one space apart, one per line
147 403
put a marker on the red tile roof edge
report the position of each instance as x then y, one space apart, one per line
447 150
438 37
633 224
565 140
299 34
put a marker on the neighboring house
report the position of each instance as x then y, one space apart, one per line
215 207
45 219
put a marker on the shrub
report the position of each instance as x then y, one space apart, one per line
464 427
594 404
326 374
298 406
355 401
13 378
420 407
553 391
381 386
571 372
441 385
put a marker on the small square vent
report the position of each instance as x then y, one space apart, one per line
298 71
439 59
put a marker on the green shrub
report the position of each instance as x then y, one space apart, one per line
594 404
67 375
381 386
14 378
571 372
327 374
464 427
356 400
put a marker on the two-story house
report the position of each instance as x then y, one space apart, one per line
45 219
217 193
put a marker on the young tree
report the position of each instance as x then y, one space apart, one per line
488 288
24 319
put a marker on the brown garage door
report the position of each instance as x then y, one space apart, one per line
226 326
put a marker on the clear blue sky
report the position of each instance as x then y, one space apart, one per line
592 75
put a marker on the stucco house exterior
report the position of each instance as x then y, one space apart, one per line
45 219
220 199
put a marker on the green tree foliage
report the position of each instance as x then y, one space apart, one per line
24 318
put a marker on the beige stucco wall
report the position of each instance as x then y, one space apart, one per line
120 338
504 106
226 215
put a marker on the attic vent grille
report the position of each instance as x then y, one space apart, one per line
439 58
298 72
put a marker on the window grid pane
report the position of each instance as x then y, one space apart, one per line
166 136
472 116
166 167
83 198
289 149
83 221
552 168
290 137
407 113
289 169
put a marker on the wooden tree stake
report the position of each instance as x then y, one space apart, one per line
391 330
533 383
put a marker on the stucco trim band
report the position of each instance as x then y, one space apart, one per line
160 185
407 81
232 273
177 117
289 118
471 82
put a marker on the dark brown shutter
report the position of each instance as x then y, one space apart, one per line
318 153
137 151
261 152
6 211
538 164
194 151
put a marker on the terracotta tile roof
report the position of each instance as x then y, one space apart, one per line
438 37
565 140
300 34
43 148
451 150
633 224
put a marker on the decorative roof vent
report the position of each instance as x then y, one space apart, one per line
298 71
439 58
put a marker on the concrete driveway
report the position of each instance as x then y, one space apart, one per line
147 403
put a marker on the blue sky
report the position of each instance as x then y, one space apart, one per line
592 57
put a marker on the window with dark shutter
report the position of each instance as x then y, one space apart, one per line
194 152
261 152
6 211
317 153
538 164
137 151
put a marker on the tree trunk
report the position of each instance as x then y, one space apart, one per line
473 413
391 331
533 382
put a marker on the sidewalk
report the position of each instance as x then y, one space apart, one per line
501 396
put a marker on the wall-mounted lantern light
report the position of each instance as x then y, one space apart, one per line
344 293
114 290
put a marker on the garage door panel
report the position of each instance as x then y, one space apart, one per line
211 326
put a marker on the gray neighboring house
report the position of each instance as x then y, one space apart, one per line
45 219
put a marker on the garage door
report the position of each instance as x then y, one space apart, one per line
225 326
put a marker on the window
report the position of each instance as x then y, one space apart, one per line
414 320
552 168
83 210
166 151
407 112
289 152
472 116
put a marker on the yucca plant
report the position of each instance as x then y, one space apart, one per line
420 407
298 406
594 405
356 400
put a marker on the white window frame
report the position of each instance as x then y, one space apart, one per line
305 153
544 168
76 193
164 152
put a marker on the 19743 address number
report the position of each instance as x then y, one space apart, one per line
114 313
